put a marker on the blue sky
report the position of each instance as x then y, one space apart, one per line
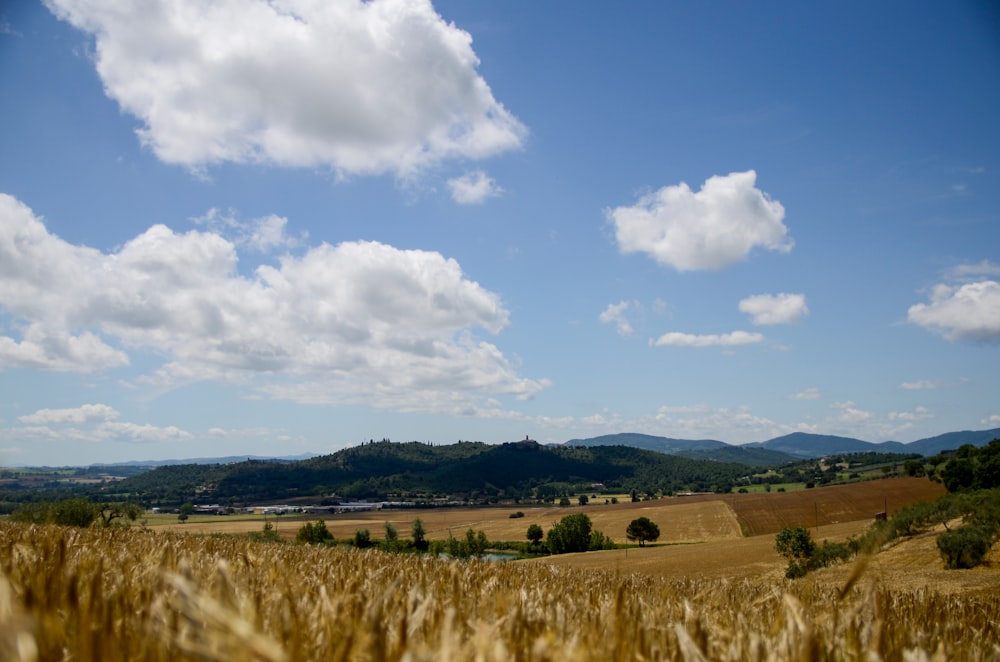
242 227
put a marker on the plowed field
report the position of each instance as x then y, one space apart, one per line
768 513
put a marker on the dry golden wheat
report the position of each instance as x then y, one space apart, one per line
131 594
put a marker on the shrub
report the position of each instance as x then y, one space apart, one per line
831 552
965 547
362 538
419 534
315 534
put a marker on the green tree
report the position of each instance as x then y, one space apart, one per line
391 537
583 500
419 534
315 534
797 546
362 538
535 534
107 513
267 534
965 547
476 542
642 529
571 534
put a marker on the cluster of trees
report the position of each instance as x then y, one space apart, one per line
78 512
575 533
973 468
796 545
972 477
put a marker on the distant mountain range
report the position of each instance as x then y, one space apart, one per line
773 452
798 445
698 449
229 459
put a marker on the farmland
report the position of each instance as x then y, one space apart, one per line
681 519
702 592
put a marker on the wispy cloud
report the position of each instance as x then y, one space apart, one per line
615 313
735 338
806 394
473 188
767 309
920 385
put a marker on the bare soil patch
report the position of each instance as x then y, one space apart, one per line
769 513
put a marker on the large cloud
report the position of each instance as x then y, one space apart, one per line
363 87
357 322
969 312
711 229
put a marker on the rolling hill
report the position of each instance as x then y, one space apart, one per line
789 447
698 449
467 470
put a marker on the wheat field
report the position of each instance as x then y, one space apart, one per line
134 594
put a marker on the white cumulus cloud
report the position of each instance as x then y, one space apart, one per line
473 188
677 339
359 322
709 229
968 312
767 309
362 87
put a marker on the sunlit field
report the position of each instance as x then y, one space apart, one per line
138 594
681 519
701 592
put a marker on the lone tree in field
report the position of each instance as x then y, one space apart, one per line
642 529
798 547
535 534
419 534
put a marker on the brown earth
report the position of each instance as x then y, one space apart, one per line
700 535
681 519
770 512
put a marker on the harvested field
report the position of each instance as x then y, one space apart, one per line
687 521
769 513
681 519
748 558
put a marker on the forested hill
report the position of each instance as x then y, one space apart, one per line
416 470
698 449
